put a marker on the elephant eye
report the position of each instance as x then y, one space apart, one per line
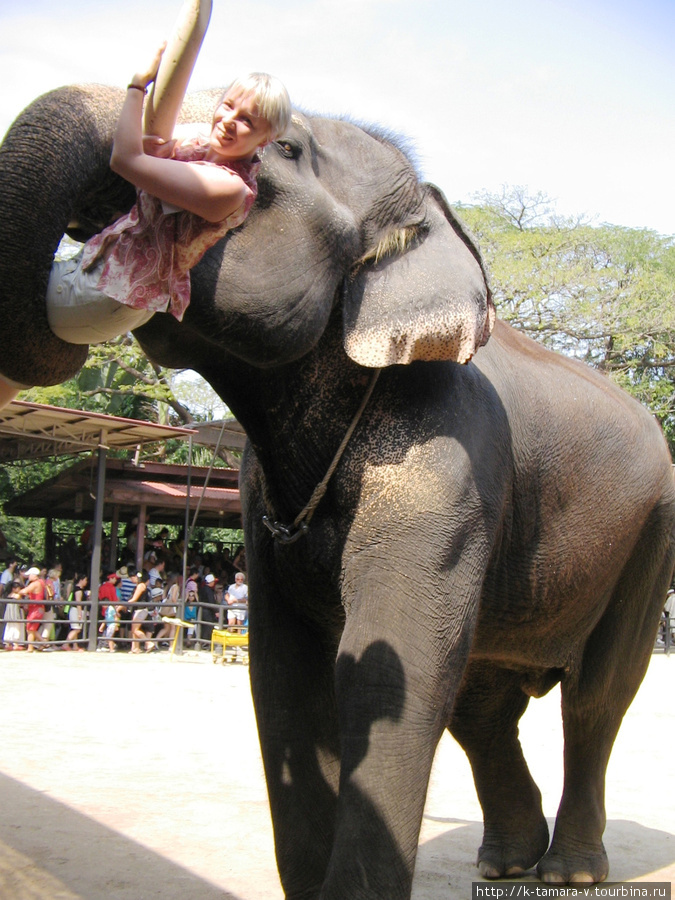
288 149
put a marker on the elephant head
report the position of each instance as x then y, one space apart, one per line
341 216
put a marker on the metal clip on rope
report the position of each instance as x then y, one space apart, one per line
285 534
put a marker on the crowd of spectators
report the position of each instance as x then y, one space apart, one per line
43 609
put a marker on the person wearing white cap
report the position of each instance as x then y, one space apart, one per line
35 591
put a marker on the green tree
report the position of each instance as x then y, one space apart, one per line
603 294
118 379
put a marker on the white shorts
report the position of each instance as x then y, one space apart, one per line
79 313
239 615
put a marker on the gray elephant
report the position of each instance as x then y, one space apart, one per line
432 538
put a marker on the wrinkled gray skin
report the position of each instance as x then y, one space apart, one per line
491 530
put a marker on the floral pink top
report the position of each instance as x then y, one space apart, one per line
149 252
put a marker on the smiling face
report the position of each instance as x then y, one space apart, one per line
238 131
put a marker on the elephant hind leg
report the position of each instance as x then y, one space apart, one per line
485 723
595 697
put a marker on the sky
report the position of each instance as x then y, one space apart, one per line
571 98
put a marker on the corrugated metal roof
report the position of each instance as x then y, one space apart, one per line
35 430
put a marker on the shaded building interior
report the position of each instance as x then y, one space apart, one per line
134 494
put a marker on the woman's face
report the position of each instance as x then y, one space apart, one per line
237 130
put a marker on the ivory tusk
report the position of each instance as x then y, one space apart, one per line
166 97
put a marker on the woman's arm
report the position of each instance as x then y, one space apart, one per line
208 191
154 145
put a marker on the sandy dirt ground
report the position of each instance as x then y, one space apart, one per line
126 778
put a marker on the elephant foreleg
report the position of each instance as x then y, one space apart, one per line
485 724
393 680
387 751
292 684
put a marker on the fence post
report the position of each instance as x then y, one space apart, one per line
95 573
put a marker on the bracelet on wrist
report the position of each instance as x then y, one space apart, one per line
137 87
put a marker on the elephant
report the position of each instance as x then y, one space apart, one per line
442 518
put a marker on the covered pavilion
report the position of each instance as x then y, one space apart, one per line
98 488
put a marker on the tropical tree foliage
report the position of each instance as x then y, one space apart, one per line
603 294
118 379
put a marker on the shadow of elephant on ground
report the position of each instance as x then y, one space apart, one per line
50 851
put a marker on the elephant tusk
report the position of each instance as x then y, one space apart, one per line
166 97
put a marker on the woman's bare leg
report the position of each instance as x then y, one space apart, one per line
8 392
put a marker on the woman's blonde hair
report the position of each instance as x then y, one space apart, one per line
271 99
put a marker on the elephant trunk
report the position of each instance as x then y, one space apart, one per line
54 163
180 56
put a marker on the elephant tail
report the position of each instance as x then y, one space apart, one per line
54 173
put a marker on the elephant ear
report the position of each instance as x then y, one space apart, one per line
426 298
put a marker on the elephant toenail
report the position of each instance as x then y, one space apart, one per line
515 870
552 878
487 870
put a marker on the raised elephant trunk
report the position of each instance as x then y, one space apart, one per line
165 99
54 169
